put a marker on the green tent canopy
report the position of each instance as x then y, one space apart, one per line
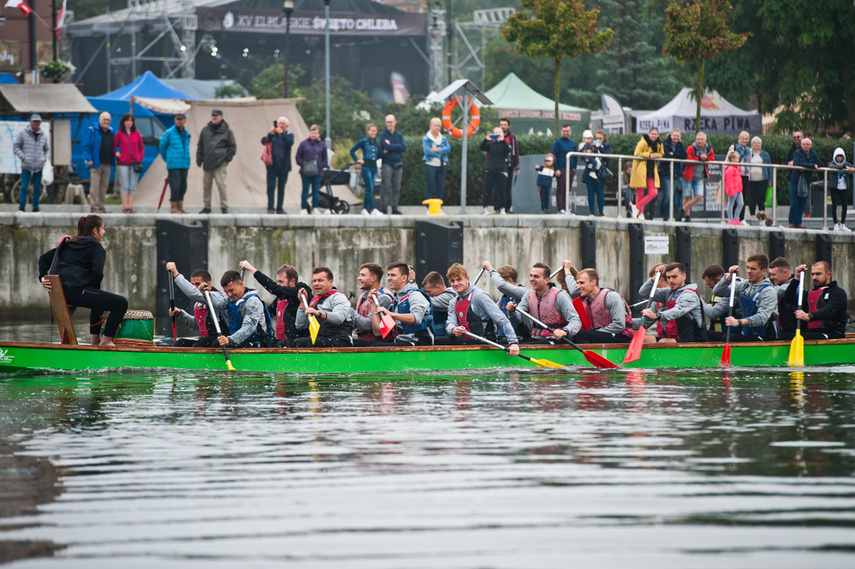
529 110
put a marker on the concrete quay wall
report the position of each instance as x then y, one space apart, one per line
343 243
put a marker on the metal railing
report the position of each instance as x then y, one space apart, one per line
774 167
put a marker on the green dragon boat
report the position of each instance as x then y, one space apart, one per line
34 358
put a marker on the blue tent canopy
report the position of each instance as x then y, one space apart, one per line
8 79
149 86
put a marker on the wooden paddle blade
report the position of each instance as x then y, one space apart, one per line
387 324
725 356
797 351
314 327
597 360
634 350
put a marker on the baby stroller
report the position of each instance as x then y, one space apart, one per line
326 198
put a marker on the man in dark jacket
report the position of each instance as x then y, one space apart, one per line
280 141
496 175
215 150
807 158
392 148
560 147
513 163
823 308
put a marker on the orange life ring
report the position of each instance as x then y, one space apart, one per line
474 118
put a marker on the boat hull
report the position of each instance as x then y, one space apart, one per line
22 358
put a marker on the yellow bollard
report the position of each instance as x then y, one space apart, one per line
434 206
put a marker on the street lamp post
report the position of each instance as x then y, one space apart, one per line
328 140
288 8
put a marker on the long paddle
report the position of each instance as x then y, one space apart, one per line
219 332
162 193
538 363
797 346
725 353
314 327
172 306
634 350
593 358
478 278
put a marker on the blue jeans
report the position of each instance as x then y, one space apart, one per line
36 176
797 204
544 197
315 183
368 176
664 201
277 175
596 195
435 178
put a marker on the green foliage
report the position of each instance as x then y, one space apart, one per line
229 91
698 31
56 70
555 29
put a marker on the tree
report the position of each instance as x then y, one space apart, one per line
556 28
698 31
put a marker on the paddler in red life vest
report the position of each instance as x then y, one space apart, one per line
249 325
758 300
411 310
824 308
201 320
285 289
331 308
370 275
441 297
475 311
611 321
549 304
719 309
682 317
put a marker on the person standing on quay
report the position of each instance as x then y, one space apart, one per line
370 152
513 163
174 148
99 155
560 147
436 150
312 159
129 156
280 142
392 148
33 149
215 150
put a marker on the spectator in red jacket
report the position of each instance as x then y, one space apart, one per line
129 147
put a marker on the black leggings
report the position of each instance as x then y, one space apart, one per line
838 197
757 195
98 301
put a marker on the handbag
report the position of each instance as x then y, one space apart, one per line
137 168
310 168
608 175
769 196
803 189
267 155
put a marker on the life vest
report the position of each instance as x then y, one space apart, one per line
363 308
683 328
281 307
599 316
467 318
200 313
402 306
236 312
813 299
544 310
769 330
327 330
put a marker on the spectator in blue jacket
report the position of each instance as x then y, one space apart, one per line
805 157
98 153
312 159
370 152
436 150
392 148
174 148
560 148
281 141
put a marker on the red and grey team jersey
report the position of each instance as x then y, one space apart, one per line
467 318
363 310
544 309
601 317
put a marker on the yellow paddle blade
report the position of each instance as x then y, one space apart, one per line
229 365
314 327
797 351
545 363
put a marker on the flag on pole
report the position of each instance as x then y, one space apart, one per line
20 5
60 19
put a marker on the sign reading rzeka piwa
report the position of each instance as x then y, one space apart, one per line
311 23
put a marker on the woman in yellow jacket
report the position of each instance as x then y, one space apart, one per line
645 178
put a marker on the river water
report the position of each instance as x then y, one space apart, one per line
749 468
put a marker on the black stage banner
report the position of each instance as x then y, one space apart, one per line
311 23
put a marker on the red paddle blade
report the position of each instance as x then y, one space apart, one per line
725 356
634 350
387 324
579 305
597 360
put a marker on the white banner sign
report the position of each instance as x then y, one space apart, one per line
656 244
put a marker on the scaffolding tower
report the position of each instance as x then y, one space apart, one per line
471 40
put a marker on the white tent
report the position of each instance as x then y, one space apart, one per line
717 116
